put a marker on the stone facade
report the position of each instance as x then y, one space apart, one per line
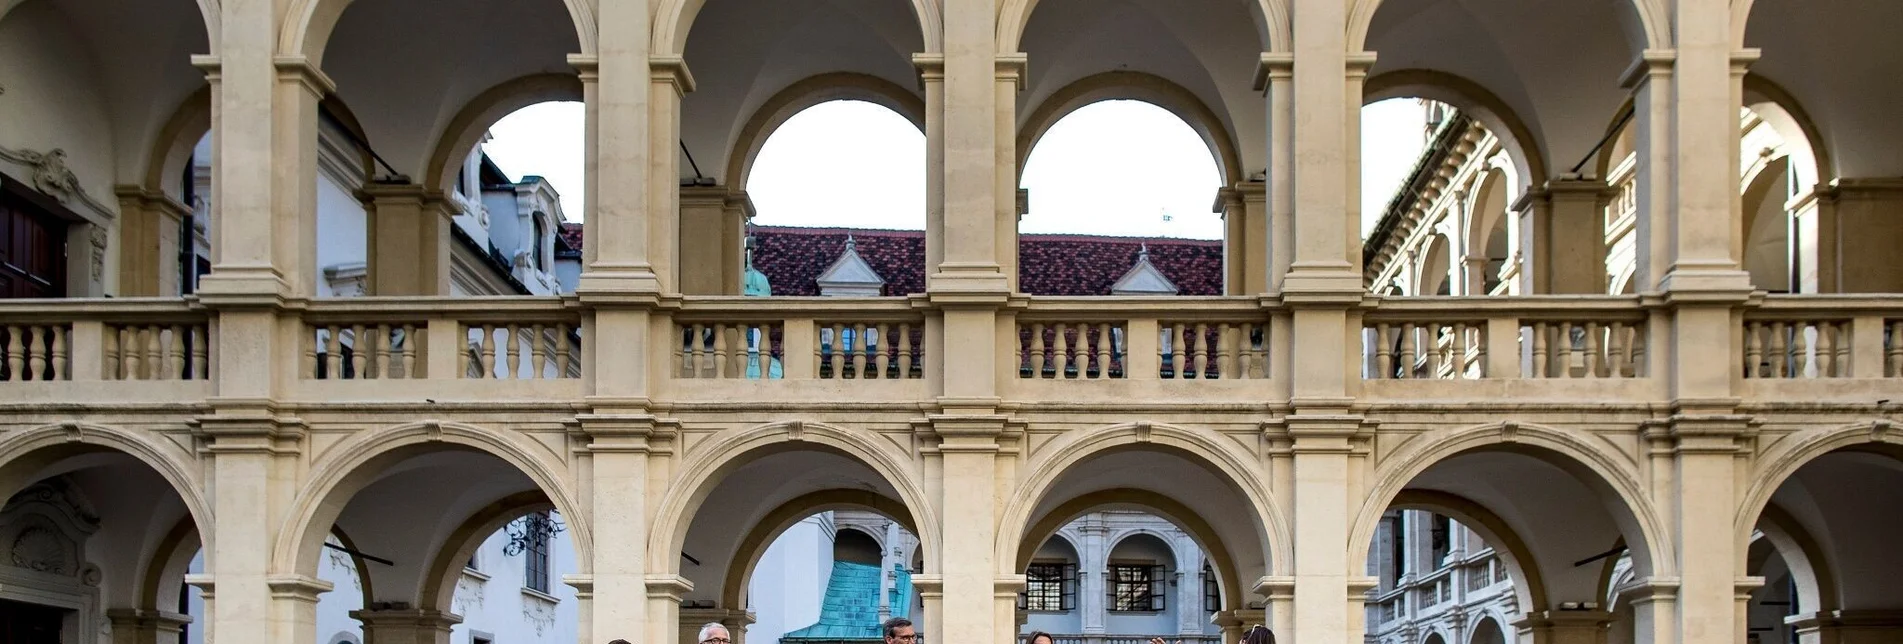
1720 428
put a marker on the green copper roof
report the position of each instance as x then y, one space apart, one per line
850 610
755 284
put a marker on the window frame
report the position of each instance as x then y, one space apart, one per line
1136 587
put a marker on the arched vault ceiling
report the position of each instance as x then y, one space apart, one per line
405 83
743 52
1213 499
1557 65
407 515
752 491
1841 60
1847 502
142 53
1560 519
1212 51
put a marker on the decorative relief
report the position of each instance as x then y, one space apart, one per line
99 243
469 594
342 561
538 612
41 549
44 529
52 177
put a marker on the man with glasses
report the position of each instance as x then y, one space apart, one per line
714 633
898 630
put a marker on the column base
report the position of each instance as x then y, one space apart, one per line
405 625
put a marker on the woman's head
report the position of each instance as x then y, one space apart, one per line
1258 635
1039 637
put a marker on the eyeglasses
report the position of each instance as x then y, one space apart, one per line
716 640
905 638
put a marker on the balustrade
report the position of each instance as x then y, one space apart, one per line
1186 339
1468 338
475 339
799 339
112 340
1816 337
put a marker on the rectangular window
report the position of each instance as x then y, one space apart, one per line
1441 531
1050 587
535 571
1134 588
1212 591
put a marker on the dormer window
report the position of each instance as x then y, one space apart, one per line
539 245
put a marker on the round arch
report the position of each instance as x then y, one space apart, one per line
806 93
676 17
703 469
168 564
1529 585
24 451
1569 451
1793 453
1469 97
1271 18
1487 618
776 522
1803 556
171 150
1651 28
1228 573
1791 122
439 580
465 130
355 463
308 24
1134 86
1223 456
1126 535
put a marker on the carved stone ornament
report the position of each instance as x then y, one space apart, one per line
52 177
41 549
99 243
539 612
469 594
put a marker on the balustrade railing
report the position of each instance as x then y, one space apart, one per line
1469 338
799 339
1809 337
127 339
1147 339
477 338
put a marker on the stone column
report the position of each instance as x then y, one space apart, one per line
408 240
975 103
1327 593
140 626
1564 627
252 474
669 81
1565 220
1276 75
1280 614
713 240
617 86
1246 238
979 603
629 600
931 74
149 225
664 609
1092 562
1010 79
405 625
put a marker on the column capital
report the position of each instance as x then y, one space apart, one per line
406 618
250 429
295 68
211 65
1651 64
1275 587
668 586
160 621
1273 66
302 588
672 71
930 67
626 433
587 66
1359 62
1010 69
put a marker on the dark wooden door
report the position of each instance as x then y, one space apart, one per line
32 251
29 624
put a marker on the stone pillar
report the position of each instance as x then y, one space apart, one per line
1279 617
405 625
664 609
1327 594
1092 562
713 240
1563 627
931 74
252 474
979 600
1276 75
1566 223
977 184
408 240
1009 208
629 600
140 626
669 81
1863 218
149 225
621 141
1246 238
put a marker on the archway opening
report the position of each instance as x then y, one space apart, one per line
94 533
833 575
839 189
1432 569
1821 543
518 198
1488 631
1121 572
1116 200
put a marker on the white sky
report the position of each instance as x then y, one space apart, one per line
1113 168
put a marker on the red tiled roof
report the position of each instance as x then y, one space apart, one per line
793 258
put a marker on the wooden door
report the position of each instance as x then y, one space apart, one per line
32 251
22 623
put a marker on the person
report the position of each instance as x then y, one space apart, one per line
1040 637
898 630
714 633
1257 635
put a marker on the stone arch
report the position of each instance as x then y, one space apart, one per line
808 92
1620 139
776 522
1271 16
171 151
168 564
1222 455
308 25
676 17
1593 464
707 464
1785 458
439 580
23 451
1135 86
1808 563
1471 98
1483 619
1529 585
1650 26
1228 572
1436 266
350 466
465 130
1792 122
